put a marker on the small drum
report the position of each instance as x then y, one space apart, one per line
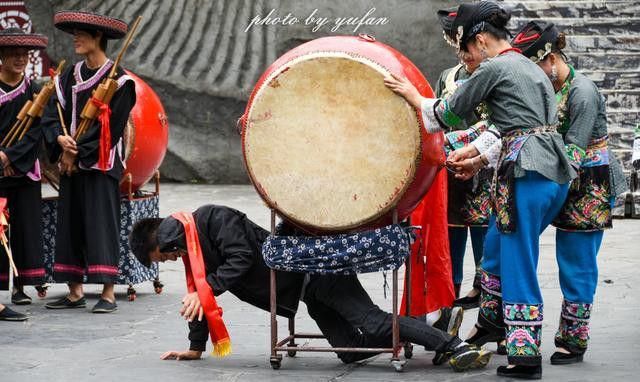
329 146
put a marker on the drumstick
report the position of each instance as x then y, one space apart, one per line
3 237
64 128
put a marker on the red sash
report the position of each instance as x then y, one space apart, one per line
196 281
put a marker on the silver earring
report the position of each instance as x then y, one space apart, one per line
483 53
554 74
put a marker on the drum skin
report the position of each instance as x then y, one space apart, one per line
428 157
146 137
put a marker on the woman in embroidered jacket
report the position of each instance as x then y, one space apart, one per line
468 200
88 237
533 175
20 181
587 210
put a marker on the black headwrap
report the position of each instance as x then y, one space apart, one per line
472 19
536 40
446 17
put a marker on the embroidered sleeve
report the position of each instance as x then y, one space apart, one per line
487 139
445 115
575 154
458 139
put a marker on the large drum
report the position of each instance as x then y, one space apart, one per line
329 146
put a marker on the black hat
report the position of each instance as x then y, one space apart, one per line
171 235
17 38
472 19
111 27
446 17
536 40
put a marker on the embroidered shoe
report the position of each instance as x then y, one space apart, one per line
65 303
104 306
468 357
559 358
7 314
20 298
521 372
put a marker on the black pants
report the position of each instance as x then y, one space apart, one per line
25 220
88 229
347 317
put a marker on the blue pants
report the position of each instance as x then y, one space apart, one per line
576 254
510 268
458 244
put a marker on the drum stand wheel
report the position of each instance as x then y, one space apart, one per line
42 290
292 353
276 361
157 286
131 293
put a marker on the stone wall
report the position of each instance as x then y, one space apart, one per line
203 65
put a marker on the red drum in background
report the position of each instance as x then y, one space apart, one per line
328 146
145 139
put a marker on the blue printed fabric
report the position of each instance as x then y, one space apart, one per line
131 271
376 250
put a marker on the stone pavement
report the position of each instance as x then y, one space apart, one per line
77 345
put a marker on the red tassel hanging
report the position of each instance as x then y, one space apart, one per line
104 117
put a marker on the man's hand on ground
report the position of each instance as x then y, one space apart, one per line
187 355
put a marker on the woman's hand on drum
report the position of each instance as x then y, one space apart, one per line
405 88
466 152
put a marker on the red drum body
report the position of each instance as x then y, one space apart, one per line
329 146
146 137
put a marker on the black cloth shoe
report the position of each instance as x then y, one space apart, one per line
104 306
521 372
20 298
483 336
559 358
468 357
468 302
65 303
7 314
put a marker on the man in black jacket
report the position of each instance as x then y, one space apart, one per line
232 250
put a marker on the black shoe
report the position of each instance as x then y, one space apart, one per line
521 372
468 357
65 303
559 358
501 349
483 336
450 320
468 302
7 314
104 306
20 298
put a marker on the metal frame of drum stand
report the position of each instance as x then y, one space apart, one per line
288 344
157 284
